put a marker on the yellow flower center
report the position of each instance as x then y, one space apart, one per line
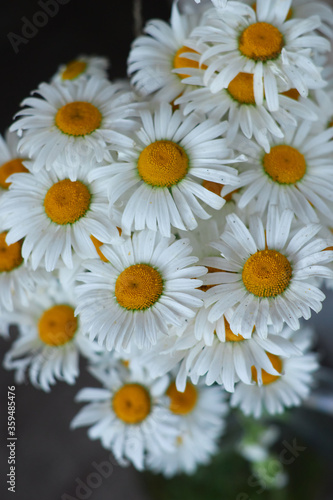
267 378
241 88
97 245
57 325
67 201
284 164
229 334
73 69
138 287
182 403
292 93
78 118
267 273
14 166
184 62
261 42
163 164
10 255
131 403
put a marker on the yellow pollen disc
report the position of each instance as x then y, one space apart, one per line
184 62
261 42
241 88
67 201
11 167
57 325
229 334
292 93
131 403
163 164
330 124
289 15
328 249
78 118
267 273
267 378
182 402
73 69
97 245
284 164
138 287
10 255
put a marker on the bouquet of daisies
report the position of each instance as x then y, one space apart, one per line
175 228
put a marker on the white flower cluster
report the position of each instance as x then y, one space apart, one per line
175 228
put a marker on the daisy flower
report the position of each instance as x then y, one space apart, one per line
198 430
307 8
158 177
296 171
17 278
265 274
274 393
237 104
261 42
129 415
149 283
71 120
50 339
82 66
159 61
10 160
214 352
55 214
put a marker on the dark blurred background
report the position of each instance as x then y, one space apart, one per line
97 27
52 460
